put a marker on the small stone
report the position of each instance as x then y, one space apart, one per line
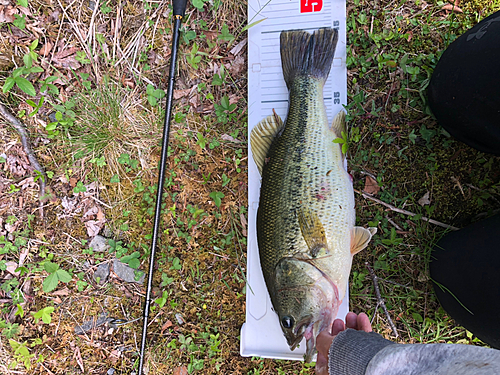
102 273
111 371
107 232
126 273
179 318
86 265
99 244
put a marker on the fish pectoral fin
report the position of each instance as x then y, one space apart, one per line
360 238
262 136
312 231
339 126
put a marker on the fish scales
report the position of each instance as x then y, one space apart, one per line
304 168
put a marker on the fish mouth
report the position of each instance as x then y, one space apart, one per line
295 337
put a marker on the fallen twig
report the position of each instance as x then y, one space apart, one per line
405 212
21 130
380 300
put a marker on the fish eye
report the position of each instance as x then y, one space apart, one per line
287 322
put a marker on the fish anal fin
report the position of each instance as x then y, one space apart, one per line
313 232
262 136
360 238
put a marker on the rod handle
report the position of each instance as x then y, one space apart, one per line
179 8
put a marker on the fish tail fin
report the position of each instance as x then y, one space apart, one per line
303 54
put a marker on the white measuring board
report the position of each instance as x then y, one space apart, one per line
261 334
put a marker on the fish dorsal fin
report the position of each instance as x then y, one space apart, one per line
360 238
312 231
262 136
338 126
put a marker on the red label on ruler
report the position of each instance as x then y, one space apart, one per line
309 6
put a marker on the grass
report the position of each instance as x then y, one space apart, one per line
103 149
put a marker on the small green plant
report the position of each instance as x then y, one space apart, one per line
13 189
223 110
176 264
225 35
166 280
82 58
17 75
132 260
81 284
213 144
116 246
99 161
344 141
217 196
56 274
35 105
161 301
105 8
193 58
79 188
219 78
154 95
225 180
202 141
47 85
21 354
45 314
8 329
392 240
199 4
128 162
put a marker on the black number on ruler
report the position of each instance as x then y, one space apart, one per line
336 96
336 25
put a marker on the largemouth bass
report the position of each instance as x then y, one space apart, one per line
305 221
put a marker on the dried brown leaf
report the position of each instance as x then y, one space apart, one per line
371 186
46 48
11 268
100 215
7 14
237 66
424 200
238 48
167 324
451 8
93 227
211 35
227 137
61 292
181 93
181 370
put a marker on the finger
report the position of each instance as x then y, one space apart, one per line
363 323
323 343
351 320
321 364
338 326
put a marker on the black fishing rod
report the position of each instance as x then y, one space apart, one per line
179 9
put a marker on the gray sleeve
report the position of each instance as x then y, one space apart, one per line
360 353
352 350
436 359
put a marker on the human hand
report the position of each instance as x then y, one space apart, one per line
324 340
